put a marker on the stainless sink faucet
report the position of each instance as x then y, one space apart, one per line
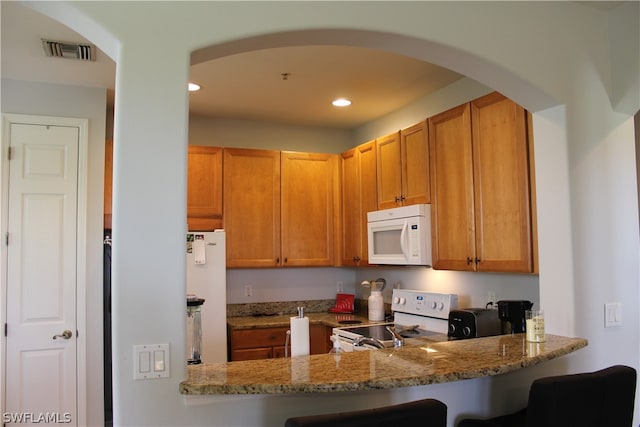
398 340
373 342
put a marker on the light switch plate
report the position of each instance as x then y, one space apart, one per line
150 361
612 314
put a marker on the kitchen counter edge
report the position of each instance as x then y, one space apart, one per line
420 362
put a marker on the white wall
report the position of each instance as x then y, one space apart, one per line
457 93
287 284
82 102
267 136
544 55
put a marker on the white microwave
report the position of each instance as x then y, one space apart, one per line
400 236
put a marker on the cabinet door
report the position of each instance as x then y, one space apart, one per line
252 207
319 341
501 184
251 354
108 183
452 208
309 208
351 215
204 188
368 193
389 174
358 178
414 150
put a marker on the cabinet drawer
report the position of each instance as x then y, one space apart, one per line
251 354
252 338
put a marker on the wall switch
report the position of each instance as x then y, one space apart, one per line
612 314
248 290
150 361
340 287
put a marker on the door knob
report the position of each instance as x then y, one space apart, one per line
66 335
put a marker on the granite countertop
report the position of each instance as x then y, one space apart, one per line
328 319
419 362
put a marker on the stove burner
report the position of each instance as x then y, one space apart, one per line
349 322
380 332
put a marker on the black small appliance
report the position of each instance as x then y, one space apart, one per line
512 315
473 323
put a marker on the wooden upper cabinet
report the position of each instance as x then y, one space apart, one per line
452 207
108 183
252 207
358 179
204 188
481 217
414 149
389 171
309 208
403 167
501 184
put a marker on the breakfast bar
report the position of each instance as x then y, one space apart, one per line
420 362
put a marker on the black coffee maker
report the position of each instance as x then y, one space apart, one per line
512 315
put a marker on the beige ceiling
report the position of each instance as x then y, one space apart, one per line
247 85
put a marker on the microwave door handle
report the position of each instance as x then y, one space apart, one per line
403 239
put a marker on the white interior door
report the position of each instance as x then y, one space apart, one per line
40 381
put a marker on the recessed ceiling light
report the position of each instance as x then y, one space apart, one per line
341 102
193 87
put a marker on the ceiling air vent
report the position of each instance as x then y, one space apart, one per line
69 50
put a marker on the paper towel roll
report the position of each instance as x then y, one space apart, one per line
299 336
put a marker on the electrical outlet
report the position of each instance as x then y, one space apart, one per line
248 290
339 287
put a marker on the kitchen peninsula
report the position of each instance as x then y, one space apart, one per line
419 362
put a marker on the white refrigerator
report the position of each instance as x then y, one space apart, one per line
207 279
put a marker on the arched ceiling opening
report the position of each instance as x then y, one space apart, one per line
455 61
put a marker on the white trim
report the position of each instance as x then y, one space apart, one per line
81 247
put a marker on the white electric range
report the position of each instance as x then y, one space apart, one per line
415 314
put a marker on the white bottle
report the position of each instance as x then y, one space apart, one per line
376 306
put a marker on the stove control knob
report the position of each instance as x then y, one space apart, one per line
466 331
440 306
402 300
396 300
434 305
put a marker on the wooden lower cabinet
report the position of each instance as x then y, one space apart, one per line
269 343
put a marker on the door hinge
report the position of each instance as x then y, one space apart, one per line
5 329
9 153
6 238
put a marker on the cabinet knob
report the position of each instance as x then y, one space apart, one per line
478 261
469 261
